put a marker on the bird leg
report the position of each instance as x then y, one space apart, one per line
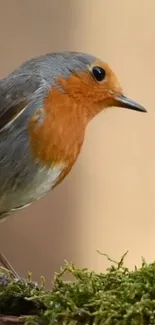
5 263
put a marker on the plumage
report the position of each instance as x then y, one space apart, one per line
45 106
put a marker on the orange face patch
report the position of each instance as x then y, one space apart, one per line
60 136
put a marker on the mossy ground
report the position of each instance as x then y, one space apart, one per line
118 296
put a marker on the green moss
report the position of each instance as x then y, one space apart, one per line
118 296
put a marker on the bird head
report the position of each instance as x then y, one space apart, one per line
92 84
81 87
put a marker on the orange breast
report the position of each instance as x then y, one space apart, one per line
60 136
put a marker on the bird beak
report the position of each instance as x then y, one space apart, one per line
122 101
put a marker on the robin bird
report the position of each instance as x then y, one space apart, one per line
45 107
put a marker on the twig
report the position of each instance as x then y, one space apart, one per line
120 263
11 320
8 266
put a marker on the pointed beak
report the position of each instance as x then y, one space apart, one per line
122 101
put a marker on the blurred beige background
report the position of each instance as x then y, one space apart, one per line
108 200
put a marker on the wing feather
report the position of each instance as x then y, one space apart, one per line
15 94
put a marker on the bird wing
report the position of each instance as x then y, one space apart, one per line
15 94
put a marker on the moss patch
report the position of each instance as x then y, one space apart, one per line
118 296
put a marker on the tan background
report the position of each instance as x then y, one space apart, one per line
108 200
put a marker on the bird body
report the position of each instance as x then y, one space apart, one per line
45 107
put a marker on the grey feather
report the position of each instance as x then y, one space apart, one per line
21 95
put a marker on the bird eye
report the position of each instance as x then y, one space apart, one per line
99 73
